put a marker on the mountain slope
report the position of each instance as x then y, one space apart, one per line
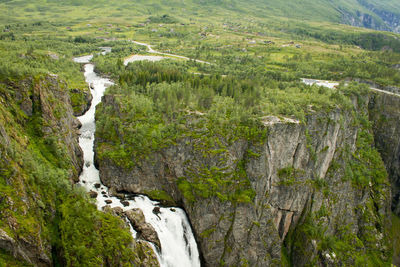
379 15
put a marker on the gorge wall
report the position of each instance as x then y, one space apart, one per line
385 115
314 192
36 118
44 219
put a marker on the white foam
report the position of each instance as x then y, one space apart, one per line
178 246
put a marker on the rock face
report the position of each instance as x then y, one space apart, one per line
304 191
374 18
39 155
23 252
37 110
39 97
145 230
385 115
142 249
83 104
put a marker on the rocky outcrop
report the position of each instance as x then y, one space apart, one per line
26 251
372 17
48 99
84 101
145 230
390 18
144 253
35 112
302 189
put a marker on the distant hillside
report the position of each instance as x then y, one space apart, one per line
373 14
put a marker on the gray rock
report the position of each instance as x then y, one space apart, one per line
93 194
145 230
118 211
256 231
125 203
157 211
385 115
112 192
25 250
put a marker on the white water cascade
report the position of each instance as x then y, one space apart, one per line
178 246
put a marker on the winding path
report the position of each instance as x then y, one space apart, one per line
334 84
384 91
151 50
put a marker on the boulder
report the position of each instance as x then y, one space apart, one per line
113 192
145 230
107 208
118 211
125 203
93 194
157 211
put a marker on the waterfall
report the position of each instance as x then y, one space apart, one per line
178 245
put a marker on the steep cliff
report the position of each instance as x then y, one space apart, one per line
390 18
286 192
372 18
385 115
37 124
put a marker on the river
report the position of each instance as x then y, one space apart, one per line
178 245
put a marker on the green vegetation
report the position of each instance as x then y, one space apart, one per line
25 55
154 106
289 176
161 196
7 260
396 237
93 238
37 195
257 59
344 247
38 202
160 12
162 104
366 167
346 243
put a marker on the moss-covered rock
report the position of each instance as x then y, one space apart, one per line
318 189
44 220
